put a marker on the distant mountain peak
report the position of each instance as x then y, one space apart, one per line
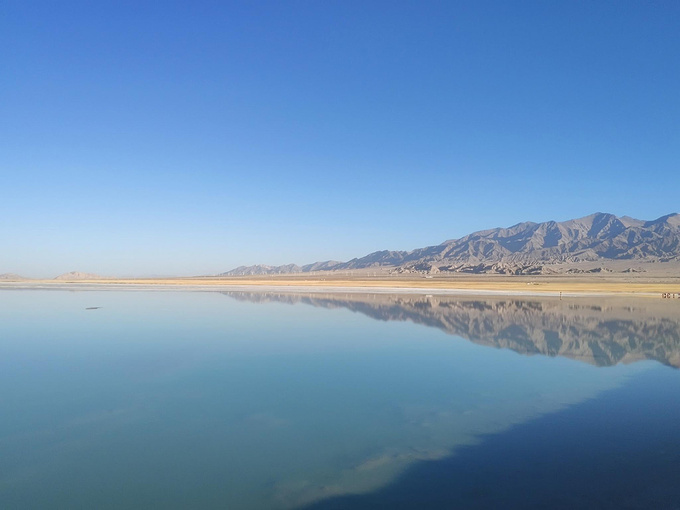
670 219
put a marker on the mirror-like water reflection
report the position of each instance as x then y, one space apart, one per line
603 331
192 400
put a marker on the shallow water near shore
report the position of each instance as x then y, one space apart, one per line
279 400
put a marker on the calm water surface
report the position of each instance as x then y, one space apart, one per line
265 400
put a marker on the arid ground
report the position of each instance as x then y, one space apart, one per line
607 284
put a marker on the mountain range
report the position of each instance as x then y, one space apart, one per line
78 275
525 248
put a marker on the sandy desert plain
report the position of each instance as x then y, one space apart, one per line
665 284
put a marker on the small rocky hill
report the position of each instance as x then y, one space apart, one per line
11 277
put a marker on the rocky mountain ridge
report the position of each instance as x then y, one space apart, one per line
525 248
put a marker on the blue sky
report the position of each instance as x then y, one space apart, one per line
150 138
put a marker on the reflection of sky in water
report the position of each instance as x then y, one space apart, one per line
177 400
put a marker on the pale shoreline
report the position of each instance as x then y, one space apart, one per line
462 286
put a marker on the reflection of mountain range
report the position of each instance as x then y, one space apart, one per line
603 333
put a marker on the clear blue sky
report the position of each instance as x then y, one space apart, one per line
143 138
